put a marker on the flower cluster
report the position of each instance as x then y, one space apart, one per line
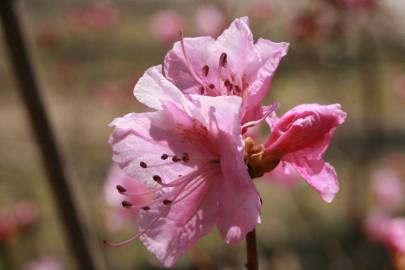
193 154
385 224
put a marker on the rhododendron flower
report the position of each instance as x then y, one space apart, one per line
166 26
229 65
26 213
209 20
300 138
43 263
399 87
388 189
359 4
189 152
118 179
388 231
96 17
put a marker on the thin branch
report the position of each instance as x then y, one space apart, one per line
51 157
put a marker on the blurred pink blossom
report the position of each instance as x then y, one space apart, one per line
388 231
399 87
190 153
261 10
26 213
8 226
109 95
47 36
209 20
359 4
388 189
166 26
98 16
44 263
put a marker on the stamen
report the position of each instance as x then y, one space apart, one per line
211 86
157 178
121 189
223 60
167 202
146 208
202 89
164 156
126 204
143 164
185 157
176 159
188 63
205 70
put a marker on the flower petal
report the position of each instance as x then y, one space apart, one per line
176 69
179 226
260 71
318 174
153 90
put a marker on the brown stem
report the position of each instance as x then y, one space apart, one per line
30 92
251 249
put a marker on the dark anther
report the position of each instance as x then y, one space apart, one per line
146 208
223 60
164 156
237 88
261 201
121 189
202 89
185 157
143 164
205 70
176 159
211 86
126 204
157 178
167 202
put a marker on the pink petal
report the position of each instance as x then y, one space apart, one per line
240 203
181 225
261 70
144 138
199 53
154 90
318 174
237 42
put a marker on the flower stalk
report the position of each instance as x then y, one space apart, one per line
251 249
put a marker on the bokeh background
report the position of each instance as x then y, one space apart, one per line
89 54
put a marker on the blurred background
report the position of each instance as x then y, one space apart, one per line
89 54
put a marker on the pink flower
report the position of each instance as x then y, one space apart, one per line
8 226
388 189
166 26
209 20
190 153
390 232
97 17
359 4
262 10
229 65
399 87
117 181
300 138
26 213
44 263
